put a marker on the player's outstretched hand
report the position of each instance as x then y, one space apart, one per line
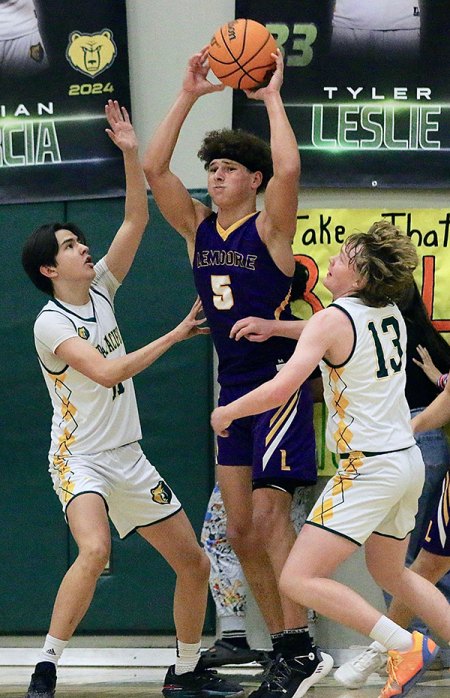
255 329
190 326
220 422
195 80
121 130
275 81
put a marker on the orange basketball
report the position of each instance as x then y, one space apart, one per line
240 54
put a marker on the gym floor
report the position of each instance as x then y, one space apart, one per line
76 682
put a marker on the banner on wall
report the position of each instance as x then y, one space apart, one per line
55 80
320 235
365 88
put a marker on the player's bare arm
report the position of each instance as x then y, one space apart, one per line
278 220
85 358
171 195
256 329
122 251
315 341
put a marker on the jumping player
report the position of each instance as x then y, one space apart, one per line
360 341
95 460
226 579
243 265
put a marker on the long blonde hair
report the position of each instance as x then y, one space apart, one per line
385 258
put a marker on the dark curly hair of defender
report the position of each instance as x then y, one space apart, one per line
385 258
240 146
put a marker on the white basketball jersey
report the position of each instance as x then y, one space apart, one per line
365 396
87 417
17 18
377 14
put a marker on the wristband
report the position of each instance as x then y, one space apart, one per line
442 381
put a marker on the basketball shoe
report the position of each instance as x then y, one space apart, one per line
43 681
200 683
406 668
291 678
354 673
223 653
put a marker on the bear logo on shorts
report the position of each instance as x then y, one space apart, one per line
161 494
37 53
91 54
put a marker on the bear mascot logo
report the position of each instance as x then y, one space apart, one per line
91 54
161 494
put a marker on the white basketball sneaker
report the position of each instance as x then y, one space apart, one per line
354 673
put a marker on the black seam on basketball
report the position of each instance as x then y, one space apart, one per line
240 66
235 59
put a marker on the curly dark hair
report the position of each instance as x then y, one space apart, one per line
385 258
240 146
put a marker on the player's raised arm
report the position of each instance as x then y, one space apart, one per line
281 197
123 248
172 197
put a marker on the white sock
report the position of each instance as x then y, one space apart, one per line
391 635
52 650
377 647
187 656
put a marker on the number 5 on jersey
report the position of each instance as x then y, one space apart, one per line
222 293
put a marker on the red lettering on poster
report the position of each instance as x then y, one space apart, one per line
428 284
313 276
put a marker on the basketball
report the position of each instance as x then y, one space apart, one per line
240 54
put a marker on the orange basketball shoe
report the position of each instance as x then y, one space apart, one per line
406 668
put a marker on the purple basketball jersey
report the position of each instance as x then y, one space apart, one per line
236 277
